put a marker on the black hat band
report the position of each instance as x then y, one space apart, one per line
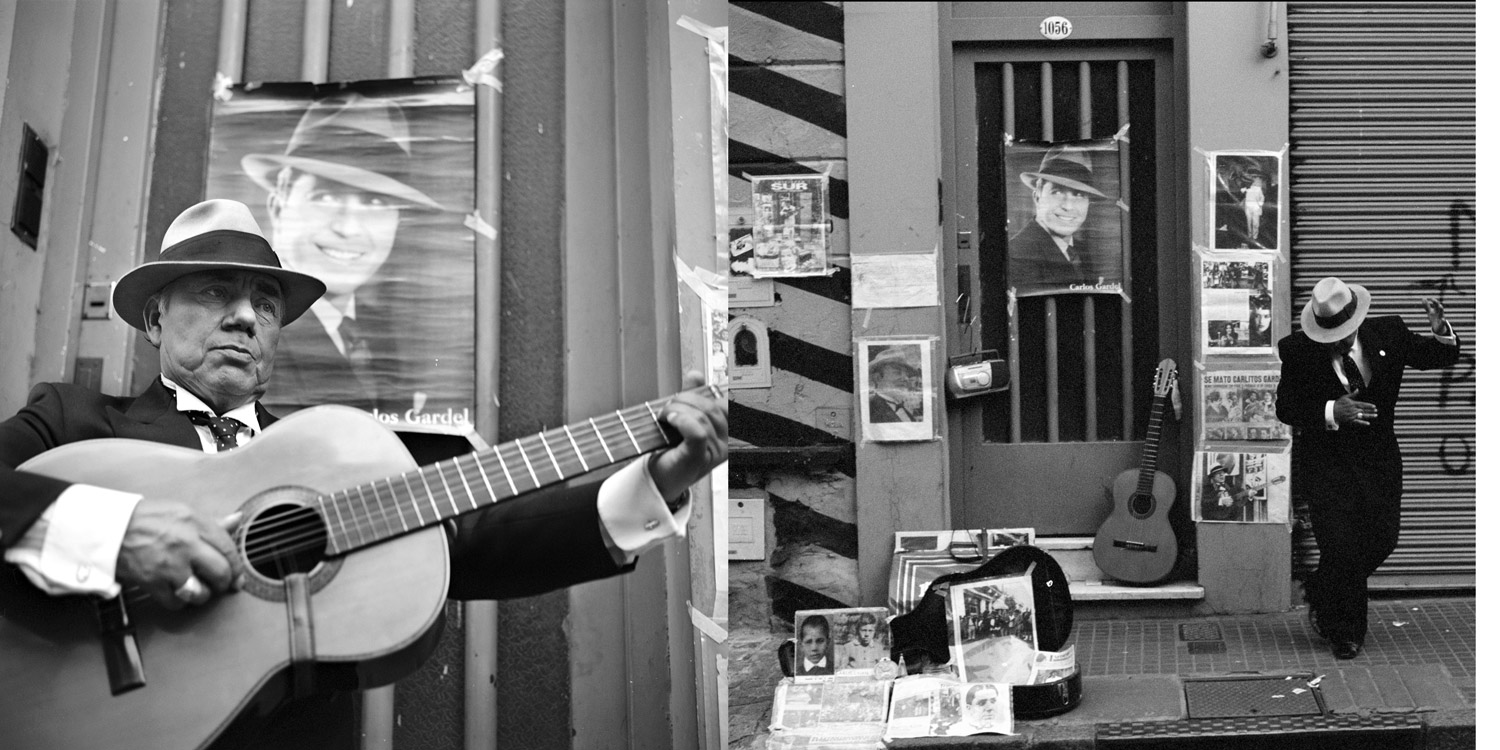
1339 318
352 146
1067 170
223 246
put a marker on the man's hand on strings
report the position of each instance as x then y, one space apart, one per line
703 422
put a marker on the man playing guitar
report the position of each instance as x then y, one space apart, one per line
214 304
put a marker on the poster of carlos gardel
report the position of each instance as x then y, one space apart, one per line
365 186
1063 214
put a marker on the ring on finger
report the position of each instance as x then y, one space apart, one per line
192 590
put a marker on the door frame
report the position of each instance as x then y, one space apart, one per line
1158 44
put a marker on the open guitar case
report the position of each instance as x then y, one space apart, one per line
921 637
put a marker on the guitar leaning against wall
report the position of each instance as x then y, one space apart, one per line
346 564
1136 543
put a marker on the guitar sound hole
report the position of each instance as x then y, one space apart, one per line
285 539
1140 505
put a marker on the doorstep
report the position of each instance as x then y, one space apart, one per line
1086 583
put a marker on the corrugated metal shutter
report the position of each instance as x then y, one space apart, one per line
1382 190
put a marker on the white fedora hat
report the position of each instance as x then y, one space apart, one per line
214 234
1335 310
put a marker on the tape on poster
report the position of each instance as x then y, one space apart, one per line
707 285
483 71
718 34
480 226
707 626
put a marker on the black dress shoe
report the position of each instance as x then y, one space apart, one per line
1346 649
1312 622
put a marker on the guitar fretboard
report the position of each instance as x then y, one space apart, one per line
1147 478
373 512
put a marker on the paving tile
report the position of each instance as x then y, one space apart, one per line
1336 695
1362 688
1393 693
1431 687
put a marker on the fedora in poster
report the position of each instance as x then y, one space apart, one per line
1340 380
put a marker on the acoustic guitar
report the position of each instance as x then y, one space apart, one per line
346 568
1136 543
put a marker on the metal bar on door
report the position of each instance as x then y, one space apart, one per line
232 40
1008 84
1127 319
317 21
1090 350
482 618
400 48
1051 302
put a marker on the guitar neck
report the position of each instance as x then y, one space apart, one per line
374 512
1148 453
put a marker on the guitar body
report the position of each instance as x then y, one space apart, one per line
375 612
1136 544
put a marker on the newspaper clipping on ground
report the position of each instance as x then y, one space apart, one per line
924 706
848 714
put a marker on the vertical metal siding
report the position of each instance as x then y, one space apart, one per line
1383 193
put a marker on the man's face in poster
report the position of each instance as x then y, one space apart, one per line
1060 210
891 380
866 634
980 706
336 232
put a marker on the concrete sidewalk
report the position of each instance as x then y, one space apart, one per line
1412 687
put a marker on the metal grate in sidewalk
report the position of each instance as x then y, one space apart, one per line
1338 732
1222 698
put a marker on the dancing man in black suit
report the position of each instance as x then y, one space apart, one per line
1340 378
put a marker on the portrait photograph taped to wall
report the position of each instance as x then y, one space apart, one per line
1242 487
1063 214
365 186
1245 212
896 389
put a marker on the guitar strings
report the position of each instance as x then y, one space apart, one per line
508 451
477 461
290 534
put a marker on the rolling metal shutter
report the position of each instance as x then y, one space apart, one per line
1382 191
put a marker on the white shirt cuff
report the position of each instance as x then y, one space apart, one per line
1328 420
73 546
633 514
1450 338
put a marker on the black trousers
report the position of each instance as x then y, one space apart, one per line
1354 537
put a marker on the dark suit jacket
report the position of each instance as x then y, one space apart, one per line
310 370
881 410
1035 260
1352 462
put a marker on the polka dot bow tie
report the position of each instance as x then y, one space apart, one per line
225 429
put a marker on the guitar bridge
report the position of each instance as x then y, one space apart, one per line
1134 546
122 657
